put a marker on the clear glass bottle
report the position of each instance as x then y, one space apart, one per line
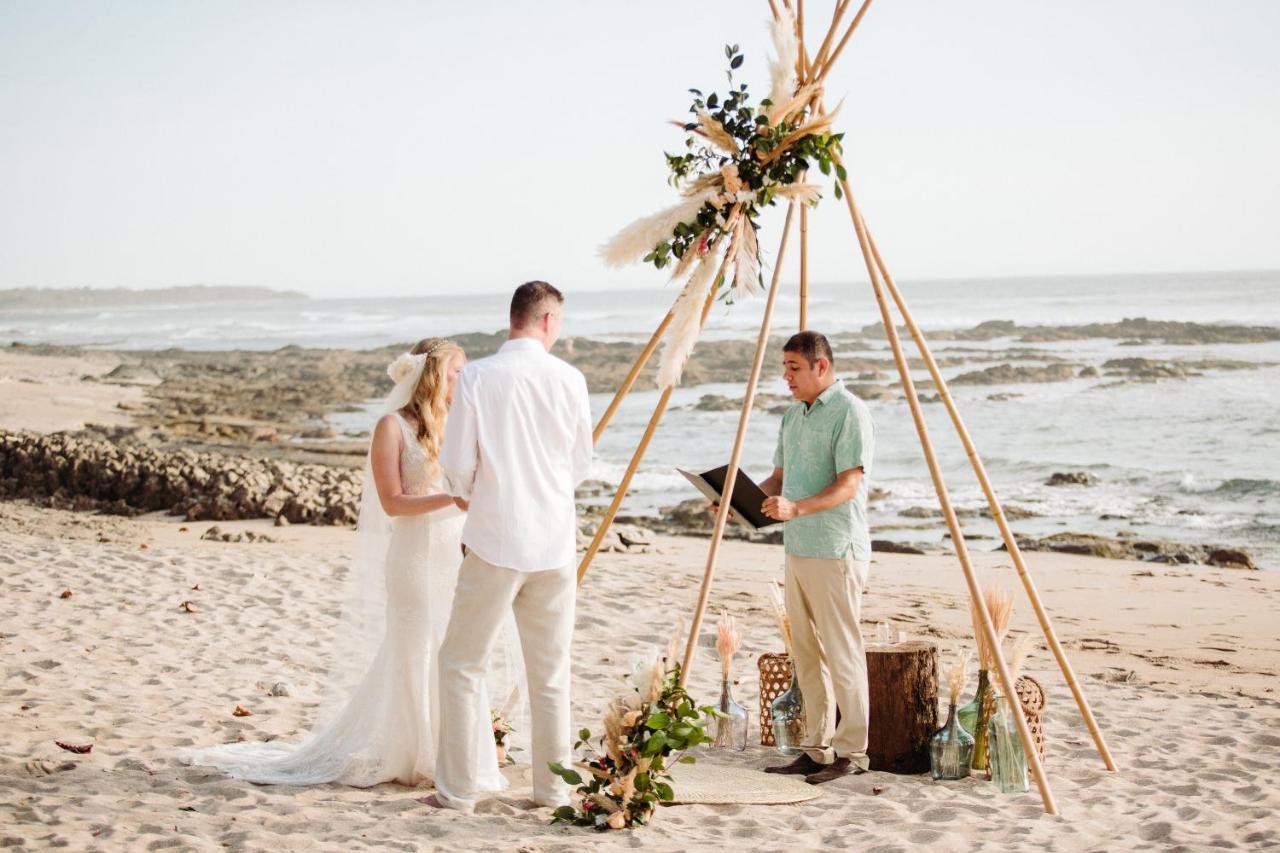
730 730
788 719
950 749
974 716
1008 760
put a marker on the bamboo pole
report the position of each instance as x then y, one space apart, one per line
835 54
997 511
944 500
625 388
836 16
658 411
735 458
804 267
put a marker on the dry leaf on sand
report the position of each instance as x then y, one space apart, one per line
66 593
188 607
77 748
241 711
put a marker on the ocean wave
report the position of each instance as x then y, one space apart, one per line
1245 486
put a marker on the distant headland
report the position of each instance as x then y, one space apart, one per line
93 297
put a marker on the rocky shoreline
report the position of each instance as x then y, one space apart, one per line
88 474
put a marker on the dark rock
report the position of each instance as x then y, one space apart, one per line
129 479
886 546
1008 374
1230 558
1071 478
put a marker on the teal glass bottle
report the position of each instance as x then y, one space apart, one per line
1008 761
950 749
788 719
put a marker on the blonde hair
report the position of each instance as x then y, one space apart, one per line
429 406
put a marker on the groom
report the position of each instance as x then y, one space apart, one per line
517 443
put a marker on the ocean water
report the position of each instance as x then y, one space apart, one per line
1192 460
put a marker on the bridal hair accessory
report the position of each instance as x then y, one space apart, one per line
404 365
408 362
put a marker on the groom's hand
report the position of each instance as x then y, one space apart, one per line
461 504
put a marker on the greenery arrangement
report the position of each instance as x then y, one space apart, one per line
647 729
740 156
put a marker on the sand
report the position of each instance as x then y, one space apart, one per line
1179 662
55 393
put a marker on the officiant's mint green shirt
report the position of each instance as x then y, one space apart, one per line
815 444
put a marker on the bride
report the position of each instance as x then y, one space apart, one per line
380 720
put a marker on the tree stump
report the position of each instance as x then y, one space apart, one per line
903 682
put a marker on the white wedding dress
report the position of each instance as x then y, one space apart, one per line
386 728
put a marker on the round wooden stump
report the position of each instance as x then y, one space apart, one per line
903 682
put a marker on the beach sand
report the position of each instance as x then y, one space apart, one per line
1180 664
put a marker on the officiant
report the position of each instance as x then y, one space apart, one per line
818 488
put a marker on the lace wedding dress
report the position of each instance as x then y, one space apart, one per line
385 730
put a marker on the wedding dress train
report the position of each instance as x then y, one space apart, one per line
387 728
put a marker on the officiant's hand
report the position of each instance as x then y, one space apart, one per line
715 510
461 504
780 509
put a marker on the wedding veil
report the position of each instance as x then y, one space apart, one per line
362 623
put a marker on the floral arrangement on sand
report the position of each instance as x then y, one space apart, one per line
624 774
501 728
739 157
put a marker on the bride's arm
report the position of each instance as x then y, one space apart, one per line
384 456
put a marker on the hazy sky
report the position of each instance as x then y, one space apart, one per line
436 147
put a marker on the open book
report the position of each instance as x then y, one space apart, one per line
747 497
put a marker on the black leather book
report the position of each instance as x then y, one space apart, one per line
747 496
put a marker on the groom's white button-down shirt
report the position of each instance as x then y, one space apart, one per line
517 443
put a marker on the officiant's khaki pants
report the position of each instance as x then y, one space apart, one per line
543 603
824 601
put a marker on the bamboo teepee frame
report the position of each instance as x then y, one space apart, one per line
886 292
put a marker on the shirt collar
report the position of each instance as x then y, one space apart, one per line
522 345
831 391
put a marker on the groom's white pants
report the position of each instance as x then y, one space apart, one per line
543 603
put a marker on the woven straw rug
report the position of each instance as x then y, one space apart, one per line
711 784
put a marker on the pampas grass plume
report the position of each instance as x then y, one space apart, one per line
1000 605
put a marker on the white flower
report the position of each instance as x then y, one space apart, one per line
404 365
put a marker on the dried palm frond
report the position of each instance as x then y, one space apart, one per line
780 615
699 185
804 193
638 239
782 66
728 641
613 727
1000 605
716 134
821 124
746 273
795 103
958 674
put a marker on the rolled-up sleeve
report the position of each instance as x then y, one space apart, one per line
583 445
460 453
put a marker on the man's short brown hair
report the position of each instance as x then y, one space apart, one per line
810 346
532 300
